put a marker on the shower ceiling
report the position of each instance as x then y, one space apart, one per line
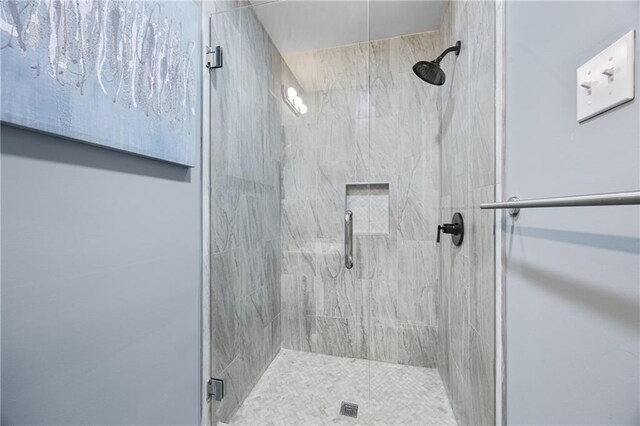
297 26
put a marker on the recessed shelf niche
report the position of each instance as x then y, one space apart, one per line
369 203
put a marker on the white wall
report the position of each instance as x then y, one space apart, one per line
573 274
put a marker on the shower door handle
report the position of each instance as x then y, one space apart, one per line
348 239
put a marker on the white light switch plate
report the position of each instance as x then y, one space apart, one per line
607 80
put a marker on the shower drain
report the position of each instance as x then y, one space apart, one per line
349 409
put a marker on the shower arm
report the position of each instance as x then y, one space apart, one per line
455 48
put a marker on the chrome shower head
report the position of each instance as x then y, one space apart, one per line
430 71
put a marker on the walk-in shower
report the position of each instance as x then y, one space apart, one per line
430 71
328 287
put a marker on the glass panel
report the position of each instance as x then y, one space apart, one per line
245 203
404 118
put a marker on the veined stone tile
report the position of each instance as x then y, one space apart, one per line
466 296
417 345
417 301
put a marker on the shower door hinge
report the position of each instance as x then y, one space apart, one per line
215 389
213 58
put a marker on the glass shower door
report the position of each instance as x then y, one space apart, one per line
315 112
288 132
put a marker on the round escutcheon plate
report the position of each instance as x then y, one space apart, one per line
457 238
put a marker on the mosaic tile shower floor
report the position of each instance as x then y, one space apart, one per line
302 388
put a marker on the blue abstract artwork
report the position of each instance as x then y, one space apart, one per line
122 74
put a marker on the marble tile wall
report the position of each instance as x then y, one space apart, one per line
466 310
246 144
370 120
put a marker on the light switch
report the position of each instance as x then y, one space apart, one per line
607 80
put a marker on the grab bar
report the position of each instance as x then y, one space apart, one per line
348 239
514 204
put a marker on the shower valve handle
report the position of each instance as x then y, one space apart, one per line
448 228
456 229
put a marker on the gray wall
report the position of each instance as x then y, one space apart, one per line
573 275
245 203
466 299
100 285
